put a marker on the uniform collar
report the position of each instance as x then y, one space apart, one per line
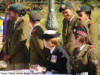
82 47
72 18
52 50
17 20
88 20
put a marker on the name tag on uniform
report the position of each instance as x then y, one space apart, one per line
53 59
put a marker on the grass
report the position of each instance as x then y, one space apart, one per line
95 18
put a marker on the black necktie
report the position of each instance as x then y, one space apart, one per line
68 22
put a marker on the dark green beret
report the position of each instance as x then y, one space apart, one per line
65 5
16 7
35 16
84 9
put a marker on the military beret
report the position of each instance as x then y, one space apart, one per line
65 5
50 34
35 16
84 9
80 30
15 7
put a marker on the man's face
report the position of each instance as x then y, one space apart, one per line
12 15
68 13
82 15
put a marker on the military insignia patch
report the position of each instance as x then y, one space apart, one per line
53 59
34 30
63 6
91 23
92 46
74 30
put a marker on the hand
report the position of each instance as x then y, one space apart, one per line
38 68
41 69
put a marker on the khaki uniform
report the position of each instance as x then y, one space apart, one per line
18 43
85 60
67 34
92 31
6 45
37 54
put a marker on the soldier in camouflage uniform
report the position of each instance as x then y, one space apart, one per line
37 54
85 56
17 40
85 18
70 20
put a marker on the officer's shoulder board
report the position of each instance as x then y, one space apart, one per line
92 46
38 31
91 22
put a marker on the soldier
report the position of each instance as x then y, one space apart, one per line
18 35
85 18
70 20
84 57
37 55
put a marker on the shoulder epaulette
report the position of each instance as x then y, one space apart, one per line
91 22
92 46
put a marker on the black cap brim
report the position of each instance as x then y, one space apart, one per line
47 36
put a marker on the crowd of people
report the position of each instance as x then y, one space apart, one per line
29 45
